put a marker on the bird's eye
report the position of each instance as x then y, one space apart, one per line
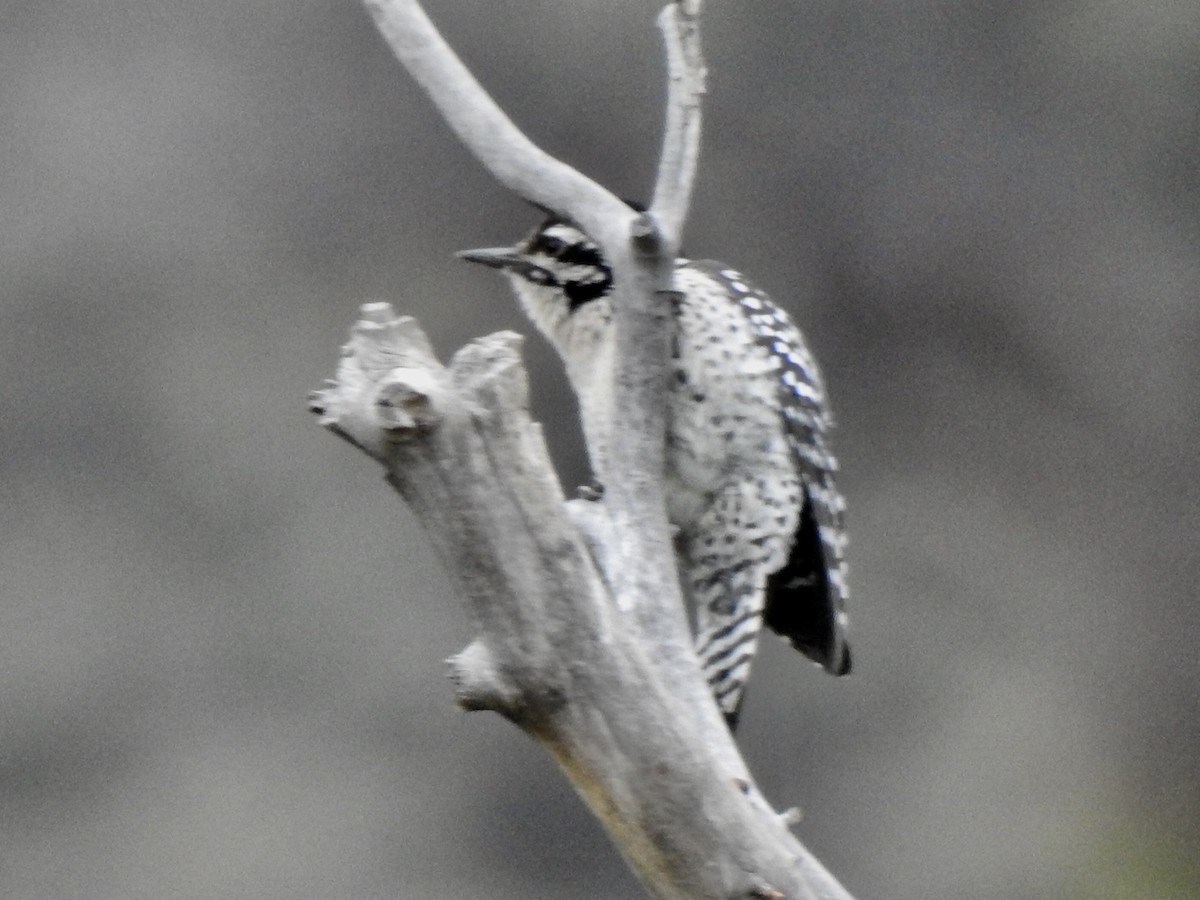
551 245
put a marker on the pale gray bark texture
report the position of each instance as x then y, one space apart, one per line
582 636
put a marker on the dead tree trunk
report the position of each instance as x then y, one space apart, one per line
582 637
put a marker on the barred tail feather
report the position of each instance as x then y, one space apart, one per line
725 559
726 644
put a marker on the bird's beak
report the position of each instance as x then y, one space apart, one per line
495 257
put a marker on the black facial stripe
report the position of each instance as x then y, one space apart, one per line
547 244
582 255
573 261
580 292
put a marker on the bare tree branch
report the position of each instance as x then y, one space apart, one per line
641 268
680 26
641 259
484 129
597 665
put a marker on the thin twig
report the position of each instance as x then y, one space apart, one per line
679 23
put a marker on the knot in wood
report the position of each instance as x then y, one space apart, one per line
404 403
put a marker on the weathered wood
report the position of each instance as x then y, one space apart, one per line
582 636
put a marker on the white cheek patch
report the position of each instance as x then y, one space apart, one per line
584 274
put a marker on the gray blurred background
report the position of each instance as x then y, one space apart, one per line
221 637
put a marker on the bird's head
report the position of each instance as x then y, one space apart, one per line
556 271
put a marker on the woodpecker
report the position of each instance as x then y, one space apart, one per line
758 521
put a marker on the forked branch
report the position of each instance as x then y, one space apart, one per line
596 665
641 257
